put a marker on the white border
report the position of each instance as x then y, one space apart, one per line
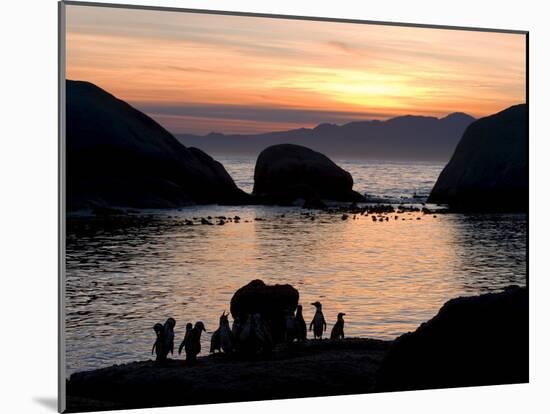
29 167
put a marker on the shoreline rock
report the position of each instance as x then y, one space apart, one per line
119 157
472 341
488 170
271 302
285 174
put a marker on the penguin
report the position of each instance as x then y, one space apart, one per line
262 334
169 335
188 328
338 328
318 322
245 331
227 341
236 329
301 328
193 342
215 343
159 345
254 336
216 340
290 331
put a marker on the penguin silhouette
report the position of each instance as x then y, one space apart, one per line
262 333
236 330
193 342
246 338
290 331
169 335
318 323
188 328
159 345
301 328
227 341
215 340
338 328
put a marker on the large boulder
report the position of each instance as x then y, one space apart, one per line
272 302
118 156
472 341
285 173
488 170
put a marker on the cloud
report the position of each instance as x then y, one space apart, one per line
345 47
189 69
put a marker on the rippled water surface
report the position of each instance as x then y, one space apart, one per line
125 275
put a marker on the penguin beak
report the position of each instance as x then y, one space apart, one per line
204 329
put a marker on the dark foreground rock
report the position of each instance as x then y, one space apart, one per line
272 302
310 369
118 156
285 173
488 170
480 340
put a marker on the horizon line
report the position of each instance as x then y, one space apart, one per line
336 124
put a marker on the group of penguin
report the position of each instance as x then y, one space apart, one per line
250 336
164 342
296 326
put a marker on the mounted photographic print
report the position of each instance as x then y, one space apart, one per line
258 207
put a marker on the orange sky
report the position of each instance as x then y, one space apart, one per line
199 73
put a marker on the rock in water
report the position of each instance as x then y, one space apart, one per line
118 156
272 302
479 340
488 170
285 173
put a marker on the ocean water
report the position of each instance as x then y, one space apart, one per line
388 277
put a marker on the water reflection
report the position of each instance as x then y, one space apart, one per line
125 275
489 247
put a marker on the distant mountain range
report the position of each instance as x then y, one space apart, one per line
407 137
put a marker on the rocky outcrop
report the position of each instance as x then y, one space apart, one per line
286 173
118 156
479 340
272 302
488 170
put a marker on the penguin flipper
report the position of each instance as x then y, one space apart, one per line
181 347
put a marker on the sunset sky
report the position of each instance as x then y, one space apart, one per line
200 73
